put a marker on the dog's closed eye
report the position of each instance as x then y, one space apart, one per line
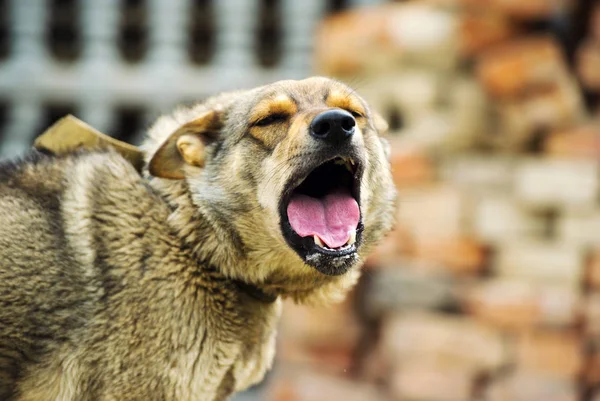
270 119
355 113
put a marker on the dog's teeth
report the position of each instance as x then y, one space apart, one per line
352 238
318 241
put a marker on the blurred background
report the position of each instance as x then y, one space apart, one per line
489 288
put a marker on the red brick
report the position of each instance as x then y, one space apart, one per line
591 372
510 69
582 141
588 65
530 9
373 37
324 336
460 254
553 353
343 39
481 28
593 270
398 244
411 166
385 253
595 23
591 316
555 106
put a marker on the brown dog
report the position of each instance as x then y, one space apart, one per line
167 287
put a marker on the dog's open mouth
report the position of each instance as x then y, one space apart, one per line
321 216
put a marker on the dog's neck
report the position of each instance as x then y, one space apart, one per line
212 244
200 229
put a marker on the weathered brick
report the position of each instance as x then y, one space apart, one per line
403 95
420 380
519 305
428 111
525 386
554 353
460 342
303 384
427 34
541 262
579 227
498 218
557 182
469 108
433 212
407 285
479 173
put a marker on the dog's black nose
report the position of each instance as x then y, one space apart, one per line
334 126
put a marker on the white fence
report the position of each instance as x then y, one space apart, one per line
101 87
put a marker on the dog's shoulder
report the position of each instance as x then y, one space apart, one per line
12 168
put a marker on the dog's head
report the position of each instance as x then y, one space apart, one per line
293 177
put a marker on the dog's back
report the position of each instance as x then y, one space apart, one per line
47 296
33 254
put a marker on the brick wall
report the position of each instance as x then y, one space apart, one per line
489 287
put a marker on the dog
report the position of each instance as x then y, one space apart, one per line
167 285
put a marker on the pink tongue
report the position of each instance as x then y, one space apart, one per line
332 218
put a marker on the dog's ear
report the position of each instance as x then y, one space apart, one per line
186 146
380 124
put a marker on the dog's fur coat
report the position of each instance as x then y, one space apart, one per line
115 286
